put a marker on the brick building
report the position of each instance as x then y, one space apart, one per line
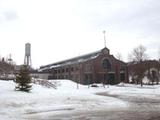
95 67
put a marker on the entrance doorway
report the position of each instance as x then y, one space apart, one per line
122 77
111 78
88 79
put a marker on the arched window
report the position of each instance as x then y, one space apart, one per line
106 64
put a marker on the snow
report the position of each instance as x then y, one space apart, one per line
76 60
41 101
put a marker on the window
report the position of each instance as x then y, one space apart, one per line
77 68
88 68
67 70
55 71
63 70
122 68
72 69
106 64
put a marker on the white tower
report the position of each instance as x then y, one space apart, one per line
27 58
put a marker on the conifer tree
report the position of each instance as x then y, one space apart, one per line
23 80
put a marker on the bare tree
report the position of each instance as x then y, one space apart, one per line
119 56
138 54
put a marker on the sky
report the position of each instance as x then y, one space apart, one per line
62 29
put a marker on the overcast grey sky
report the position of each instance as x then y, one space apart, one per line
62 29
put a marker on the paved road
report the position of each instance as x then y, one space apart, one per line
140 108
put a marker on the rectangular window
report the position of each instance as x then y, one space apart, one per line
67 69
72 69
88 68
55 71
63 70
122 68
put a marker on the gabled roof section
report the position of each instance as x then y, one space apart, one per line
105 51
79 59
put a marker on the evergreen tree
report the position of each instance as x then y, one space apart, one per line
23 80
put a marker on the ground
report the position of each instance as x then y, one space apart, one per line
119 102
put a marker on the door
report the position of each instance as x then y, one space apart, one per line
122 77
111 78
88 79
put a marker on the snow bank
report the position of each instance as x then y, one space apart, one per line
41 101
66 98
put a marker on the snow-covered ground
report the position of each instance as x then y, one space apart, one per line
43 102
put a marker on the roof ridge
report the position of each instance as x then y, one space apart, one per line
74 58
